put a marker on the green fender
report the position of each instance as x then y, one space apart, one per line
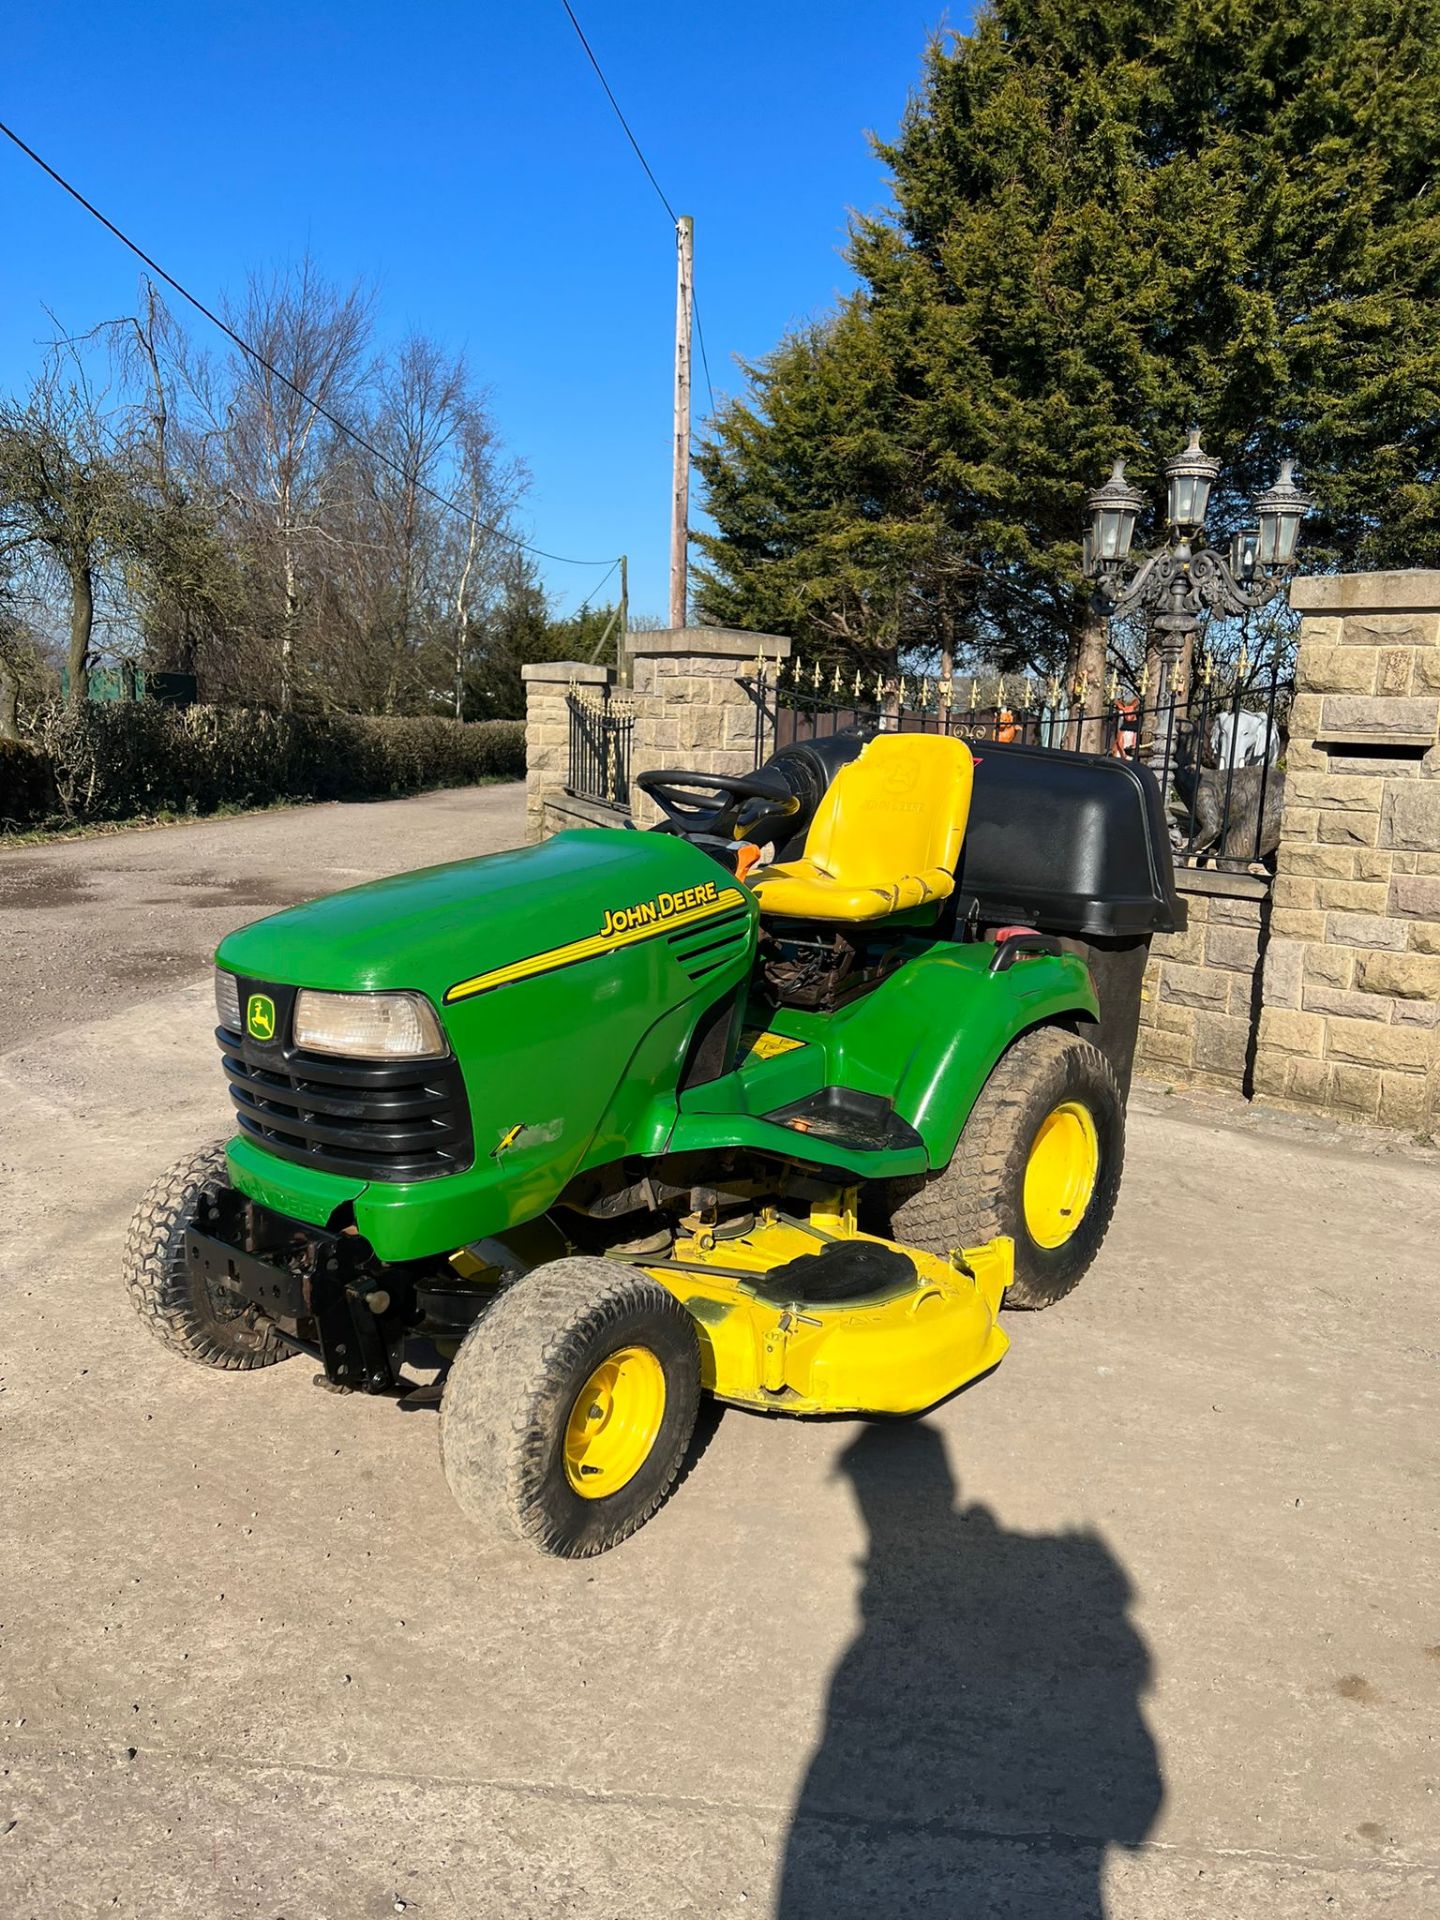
959 1019
945 1078
927 1040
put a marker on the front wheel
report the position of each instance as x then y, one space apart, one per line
570 1405
213 1329
1039 1159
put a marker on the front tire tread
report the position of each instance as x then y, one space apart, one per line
162 1292
514 1381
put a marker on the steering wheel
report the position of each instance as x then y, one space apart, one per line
715 806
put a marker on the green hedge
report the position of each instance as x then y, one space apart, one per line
27 784
115 761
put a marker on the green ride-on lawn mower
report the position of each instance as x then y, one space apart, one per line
779 1101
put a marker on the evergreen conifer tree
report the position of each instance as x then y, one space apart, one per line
1109 220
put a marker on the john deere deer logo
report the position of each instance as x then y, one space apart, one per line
260 1017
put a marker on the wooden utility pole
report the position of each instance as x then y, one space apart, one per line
680 505
619 625
622 665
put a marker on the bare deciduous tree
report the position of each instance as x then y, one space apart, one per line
481 557
423 405
308 523
312 344
66 506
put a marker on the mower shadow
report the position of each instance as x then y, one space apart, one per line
707 1425
983 1742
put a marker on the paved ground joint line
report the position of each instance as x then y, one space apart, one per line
1057 1839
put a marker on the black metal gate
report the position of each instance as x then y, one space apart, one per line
601 729
1216 747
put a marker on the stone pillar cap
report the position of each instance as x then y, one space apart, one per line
725 643
1411 590
585 673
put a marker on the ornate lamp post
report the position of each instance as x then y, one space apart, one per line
1179 580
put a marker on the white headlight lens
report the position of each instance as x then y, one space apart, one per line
227 1002
368 1026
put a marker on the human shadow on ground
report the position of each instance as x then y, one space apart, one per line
983 1741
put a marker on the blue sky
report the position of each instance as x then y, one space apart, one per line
464 159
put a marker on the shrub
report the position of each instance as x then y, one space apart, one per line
27 785
112 761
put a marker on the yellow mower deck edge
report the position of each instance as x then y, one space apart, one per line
893 1355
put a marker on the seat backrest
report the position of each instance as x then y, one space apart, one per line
899 808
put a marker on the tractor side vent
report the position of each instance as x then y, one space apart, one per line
701 951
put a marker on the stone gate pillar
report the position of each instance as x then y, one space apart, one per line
547 730
1350 1017
691 709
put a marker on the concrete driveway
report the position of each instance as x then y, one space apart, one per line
1143 1625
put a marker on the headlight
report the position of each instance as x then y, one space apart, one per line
368 1026
227 1002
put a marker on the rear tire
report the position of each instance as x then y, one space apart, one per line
1052 1108
569 1407
172 1300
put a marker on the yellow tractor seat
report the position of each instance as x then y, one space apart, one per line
885 837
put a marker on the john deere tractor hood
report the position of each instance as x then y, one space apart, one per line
437 930
569 977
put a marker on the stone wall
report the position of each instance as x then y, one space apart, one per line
690 709
1351 1015
562 811
1344 954
1201 993
547 730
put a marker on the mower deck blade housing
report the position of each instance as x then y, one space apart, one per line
919 1336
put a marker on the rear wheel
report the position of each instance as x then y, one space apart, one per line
213 1329
1039 1159
570 1405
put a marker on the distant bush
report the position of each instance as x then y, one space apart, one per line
108 761
27 785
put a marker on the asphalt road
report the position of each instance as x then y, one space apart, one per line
1142 1625
88 926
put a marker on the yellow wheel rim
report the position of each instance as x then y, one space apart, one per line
614 1423
1060 1174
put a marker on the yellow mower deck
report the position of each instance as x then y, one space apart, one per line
897 1351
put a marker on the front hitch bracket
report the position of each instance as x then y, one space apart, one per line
324 1283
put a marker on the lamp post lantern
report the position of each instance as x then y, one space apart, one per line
1189 477
1280 509
1176 582
1113 510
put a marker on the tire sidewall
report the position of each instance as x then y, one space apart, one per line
231 1331
585 1525
170 1296
1049 1272
514 1383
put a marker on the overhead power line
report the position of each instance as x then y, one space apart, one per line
597 588
619 115
340 426
649 172
704 357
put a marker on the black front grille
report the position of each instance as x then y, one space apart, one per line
373 1119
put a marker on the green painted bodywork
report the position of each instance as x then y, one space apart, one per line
585 1059
926 1038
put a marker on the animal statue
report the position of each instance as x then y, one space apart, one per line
1252 830
1243 739
1249 829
